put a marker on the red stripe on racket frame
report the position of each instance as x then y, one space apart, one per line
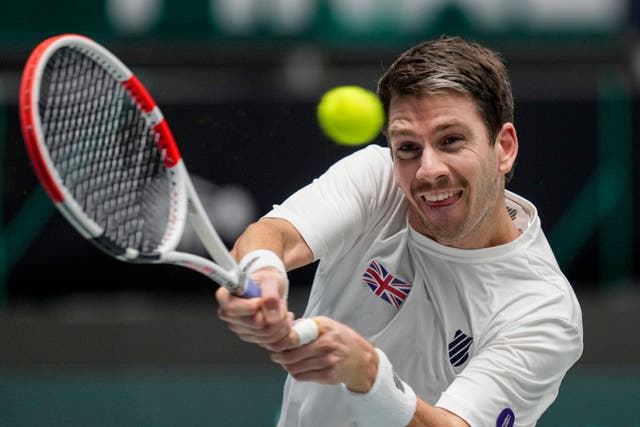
166 142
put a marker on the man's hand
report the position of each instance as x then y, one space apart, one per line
264 320
338 355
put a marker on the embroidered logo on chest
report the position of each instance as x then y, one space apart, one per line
384 285
459 348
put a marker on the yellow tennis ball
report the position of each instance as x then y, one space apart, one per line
350 115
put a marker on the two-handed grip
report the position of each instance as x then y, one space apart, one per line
307 329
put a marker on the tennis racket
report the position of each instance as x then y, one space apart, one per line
105 155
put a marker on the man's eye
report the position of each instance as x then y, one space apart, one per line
408 147
451 140
407 150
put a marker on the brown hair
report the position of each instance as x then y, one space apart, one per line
453 64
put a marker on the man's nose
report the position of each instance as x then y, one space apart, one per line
432 165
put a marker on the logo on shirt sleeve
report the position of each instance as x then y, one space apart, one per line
384 285
459 348
506 418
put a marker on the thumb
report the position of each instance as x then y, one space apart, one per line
274 307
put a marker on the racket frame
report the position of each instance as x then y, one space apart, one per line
186 205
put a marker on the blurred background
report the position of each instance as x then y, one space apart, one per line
86 340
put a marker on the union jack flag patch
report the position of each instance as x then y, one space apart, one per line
383 284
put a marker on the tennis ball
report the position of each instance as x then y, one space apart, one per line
350 115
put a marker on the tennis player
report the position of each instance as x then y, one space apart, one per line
438 299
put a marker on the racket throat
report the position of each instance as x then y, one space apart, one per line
233 279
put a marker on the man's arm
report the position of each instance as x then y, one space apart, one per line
427 415
342 356
339 355
265 320
277 235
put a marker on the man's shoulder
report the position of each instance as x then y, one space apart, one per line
372 152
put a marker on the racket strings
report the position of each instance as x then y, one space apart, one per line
104 150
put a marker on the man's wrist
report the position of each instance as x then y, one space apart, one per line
371 373
389 403
264 258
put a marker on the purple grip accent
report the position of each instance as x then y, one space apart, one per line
252 290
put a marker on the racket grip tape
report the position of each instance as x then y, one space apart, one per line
252 289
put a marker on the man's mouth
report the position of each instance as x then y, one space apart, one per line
441 198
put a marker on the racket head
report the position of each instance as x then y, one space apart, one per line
102 149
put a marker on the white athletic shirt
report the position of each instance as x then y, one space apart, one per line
487 334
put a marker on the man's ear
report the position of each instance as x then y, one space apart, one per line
507 147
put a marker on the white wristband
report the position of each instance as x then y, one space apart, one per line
389 403
261 258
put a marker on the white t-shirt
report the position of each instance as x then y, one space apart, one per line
487 334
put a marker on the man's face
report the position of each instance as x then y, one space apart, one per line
450 173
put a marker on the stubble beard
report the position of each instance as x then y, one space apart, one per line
476 218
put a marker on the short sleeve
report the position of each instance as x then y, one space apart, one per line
517 374
332 211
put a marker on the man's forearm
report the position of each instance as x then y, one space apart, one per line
278 236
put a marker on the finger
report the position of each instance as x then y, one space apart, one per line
236 306
295 354
248 324
317 362
304 365
285 338
273 305
271 333
327 375
268 336
302 331
306 330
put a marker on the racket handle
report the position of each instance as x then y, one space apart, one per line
252 289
